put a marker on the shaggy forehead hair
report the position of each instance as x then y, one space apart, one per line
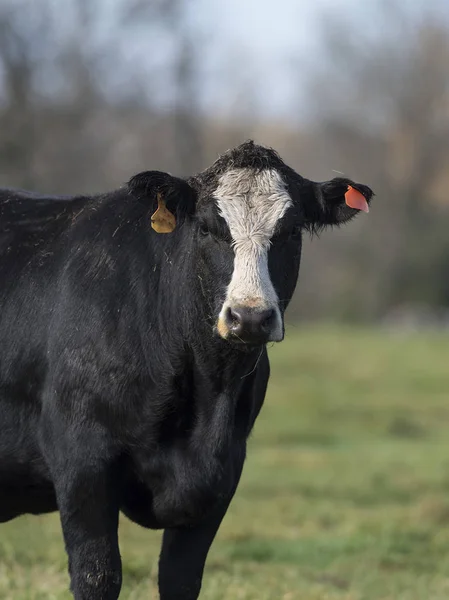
246 156
251 202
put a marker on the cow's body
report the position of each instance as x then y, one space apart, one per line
130 373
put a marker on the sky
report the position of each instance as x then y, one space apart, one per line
270 46
255 55
272 43
264 46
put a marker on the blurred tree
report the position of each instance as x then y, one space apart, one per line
74 104
182 76
22 44
381 115
92 92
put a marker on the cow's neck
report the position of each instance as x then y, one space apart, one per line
181 316
202 374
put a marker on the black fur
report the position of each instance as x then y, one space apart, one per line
115 392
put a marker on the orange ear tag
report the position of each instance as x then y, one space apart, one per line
163 221
356 199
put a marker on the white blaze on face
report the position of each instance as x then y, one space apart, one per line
252 203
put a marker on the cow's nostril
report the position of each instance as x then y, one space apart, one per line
266 319
233 318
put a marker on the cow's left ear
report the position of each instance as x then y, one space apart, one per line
162 192
334 202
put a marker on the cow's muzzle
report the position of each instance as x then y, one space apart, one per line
250 325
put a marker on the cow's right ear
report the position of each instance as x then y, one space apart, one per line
154 187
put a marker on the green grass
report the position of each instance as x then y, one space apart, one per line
345 494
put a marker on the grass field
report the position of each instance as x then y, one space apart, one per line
345 494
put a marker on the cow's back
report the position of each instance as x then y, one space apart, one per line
30 225
32 244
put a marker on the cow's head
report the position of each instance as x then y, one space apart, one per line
247 213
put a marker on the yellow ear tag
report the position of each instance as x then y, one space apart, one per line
163 221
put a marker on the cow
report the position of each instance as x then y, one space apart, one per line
133 361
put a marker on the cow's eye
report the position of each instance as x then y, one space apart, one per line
296 231
204 231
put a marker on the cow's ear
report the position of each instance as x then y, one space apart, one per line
334 202
159 190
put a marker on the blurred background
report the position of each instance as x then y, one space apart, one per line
92 92
346 490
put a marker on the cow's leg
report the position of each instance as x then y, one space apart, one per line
86 488
185 549
89 518
183 555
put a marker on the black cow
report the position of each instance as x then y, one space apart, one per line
133 363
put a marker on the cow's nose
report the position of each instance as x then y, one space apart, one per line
250 325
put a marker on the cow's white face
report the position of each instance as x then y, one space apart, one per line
251 203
